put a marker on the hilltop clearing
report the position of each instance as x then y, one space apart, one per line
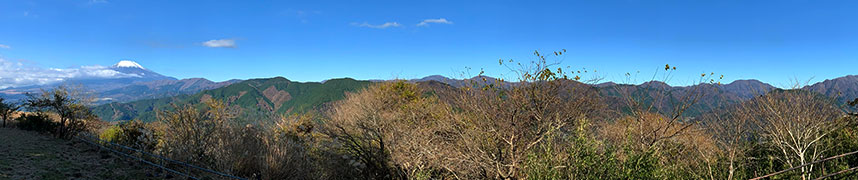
30 155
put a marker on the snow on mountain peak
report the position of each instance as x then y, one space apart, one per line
128 64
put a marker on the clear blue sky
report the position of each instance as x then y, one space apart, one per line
774 41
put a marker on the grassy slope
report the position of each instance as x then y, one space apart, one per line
30 155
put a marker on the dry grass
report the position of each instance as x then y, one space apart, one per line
30 155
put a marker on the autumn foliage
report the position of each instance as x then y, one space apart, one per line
545 123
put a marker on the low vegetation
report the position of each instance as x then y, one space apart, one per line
550 124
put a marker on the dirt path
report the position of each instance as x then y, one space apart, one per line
30 155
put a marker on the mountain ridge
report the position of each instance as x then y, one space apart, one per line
279 95
124 81
257 99
842 89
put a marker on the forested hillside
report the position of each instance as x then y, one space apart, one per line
255 98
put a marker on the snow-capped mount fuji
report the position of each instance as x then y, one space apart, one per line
136 72
124 81
127 64
121 74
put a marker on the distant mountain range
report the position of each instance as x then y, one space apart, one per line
714 96
257 99
139 91
136 83
665 98
843 89
161 88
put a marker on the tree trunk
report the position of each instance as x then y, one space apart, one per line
62 128
732 169
803 169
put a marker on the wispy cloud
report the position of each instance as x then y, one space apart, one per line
29 14
220 43
380 26
426 22
304 16
5 46
97 1
19 74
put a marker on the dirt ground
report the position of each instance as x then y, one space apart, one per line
30 155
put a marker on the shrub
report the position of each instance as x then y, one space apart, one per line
486 130
190 135
500 126
112 134
211 138
69 105
389 130
578 156
131 133
289 144
37 122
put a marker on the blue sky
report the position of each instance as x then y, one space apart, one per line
773 41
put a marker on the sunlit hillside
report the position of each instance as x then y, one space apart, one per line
429 90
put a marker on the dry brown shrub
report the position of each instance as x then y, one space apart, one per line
394 128
188 133
391 130
290 148
499 128
212 138
498 125
690 148
208 138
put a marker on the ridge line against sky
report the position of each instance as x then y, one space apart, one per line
772 41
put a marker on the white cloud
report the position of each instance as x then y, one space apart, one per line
380 26
220 43
438 21
5 46
18 74
29 14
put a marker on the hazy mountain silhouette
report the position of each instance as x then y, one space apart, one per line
135 82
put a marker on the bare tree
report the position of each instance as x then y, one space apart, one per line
657 97
7 109
502 124
794 122
731 129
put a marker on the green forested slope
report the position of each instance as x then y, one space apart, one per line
255 98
